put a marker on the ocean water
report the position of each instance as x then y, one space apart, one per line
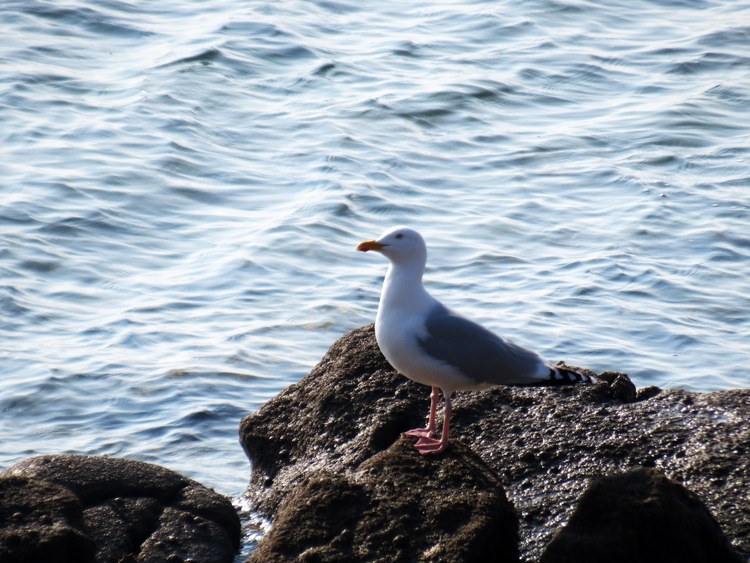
183 184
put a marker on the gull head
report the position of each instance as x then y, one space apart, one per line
399 245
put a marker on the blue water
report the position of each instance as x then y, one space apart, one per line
183 184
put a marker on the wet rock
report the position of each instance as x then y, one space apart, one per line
640 517
41 521
647 393
620 386
398 506
113 510
546 443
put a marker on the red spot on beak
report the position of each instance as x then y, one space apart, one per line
370 245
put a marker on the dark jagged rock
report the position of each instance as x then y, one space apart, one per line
647 393
640 517
545 443
398 506
621 388
114 510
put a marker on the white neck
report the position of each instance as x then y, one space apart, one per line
403 289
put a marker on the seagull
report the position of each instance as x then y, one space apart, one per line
436 346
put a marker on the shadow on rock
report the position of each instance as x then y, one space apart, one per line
640 517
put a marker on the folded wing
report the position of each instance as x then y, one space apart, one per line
479 353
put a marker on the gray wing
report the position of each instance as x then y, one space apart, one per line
477 352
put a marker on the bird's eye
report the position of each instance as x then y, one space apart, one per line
399 235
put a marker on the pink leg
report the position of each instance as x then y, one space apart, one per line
428 445
430 430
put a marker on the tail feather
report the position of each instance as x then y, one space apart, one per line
559 375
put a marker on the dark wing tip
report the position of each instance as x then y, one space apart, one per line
562 376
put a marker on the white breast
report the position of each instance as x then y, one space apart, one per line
397 333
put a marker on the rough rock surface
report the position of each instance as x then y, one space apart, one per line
546 444
640 517
398 506
41 521
74 508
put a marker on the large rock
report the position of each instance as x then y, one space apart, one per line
74 508
350 407
640 517
546 444
398 506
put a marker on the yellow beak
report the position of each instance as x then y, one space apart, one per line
370 245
